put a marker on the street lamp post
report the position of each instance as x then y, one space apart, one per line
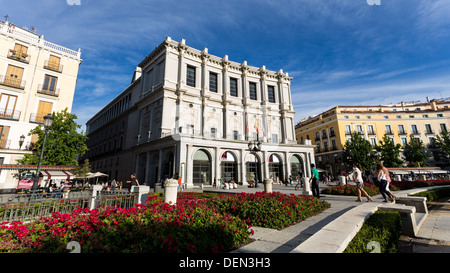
21 140
48 120
255 146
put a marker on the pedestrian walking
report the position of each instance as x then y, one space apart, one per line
357 178
381 177
133 182
180 186
388 179
314 180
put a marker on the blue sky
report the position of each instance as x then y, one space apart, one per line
340 52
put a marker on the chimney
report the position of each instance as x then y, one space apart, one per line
433 105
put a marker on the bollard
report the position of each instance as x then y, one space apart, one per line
94 193
170 191
306 186
342 180
140 194
268 185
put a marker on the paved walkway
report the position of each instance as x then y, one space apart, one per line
433 236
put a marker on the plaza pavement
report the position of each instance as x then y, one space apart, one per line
433 236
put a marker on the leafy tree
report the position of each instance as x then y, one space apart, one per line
443 144
390 153
64 143
359 150
415 152
81 171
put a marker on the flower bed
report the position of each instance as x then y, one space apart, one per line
201 223
271 210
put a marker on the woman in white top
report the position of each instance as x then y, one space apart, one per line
381 176
357 177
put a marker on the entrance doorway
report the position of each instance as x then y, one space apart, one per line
201 168
229 167
275 167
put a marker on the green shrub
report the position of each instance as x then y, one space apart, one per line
435 194
382 227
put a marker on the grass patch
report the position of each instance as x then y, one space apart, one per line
382 227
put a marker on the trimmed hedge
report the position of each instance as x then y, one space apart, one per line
383 227
435 194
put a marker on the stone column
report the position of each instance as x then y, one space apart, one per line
306 186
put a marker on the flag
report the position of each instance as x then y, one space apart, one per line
256 127
247 127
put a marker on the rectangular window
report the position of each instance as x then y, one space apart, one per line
404 141
443 127
348 130
7 105
401 130
53 63
428 129
252 90
271 93
49 83
333 144
4 132
274 138
414 129
213 132
44 108
13 76
233 87
235 135
190 76
213 82
359 129
370 129
332 133
373 141
388 129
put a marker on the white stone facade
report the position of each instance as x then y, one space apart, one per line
192 114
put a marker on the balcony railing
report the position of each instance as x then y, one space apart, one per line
19 56
12 82
48 92
9 114
402 132
57 67
38 118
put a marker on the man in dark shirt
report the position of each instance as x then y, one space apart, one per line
133 182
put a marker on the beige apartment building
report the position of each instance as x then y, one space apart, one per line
37 77
330 130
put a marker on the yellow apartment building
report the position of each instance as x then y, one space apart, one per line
330 130
37 77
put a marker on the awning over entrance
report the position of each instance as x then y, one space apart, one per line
56 175
405 171
34 167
